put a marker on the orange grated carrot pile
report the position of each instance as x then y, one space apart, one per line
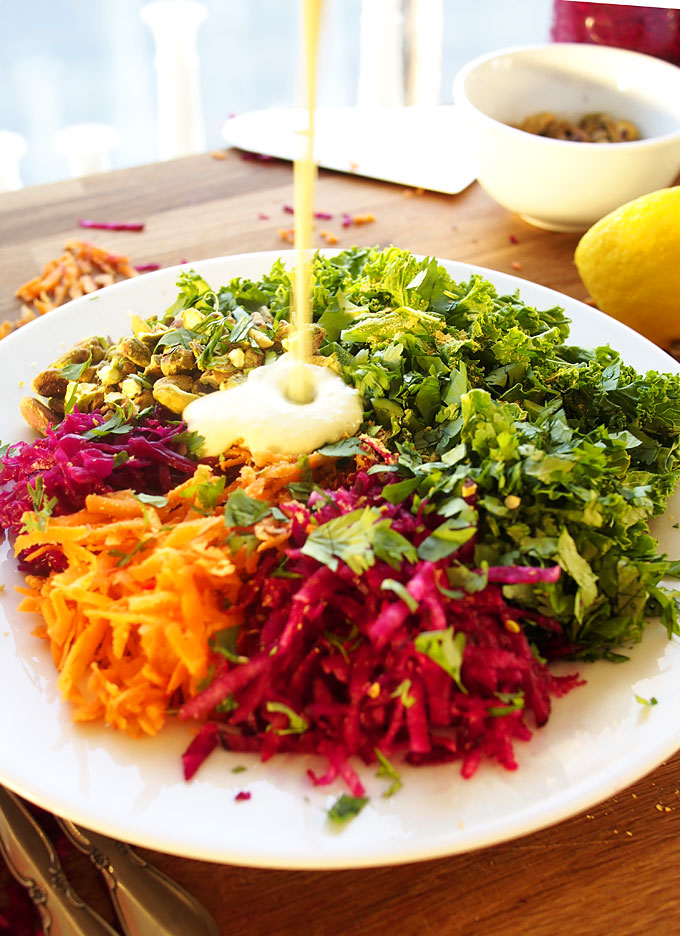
145 587
82 268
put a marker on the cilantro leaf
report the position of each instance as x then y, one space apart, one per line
346 807
445 649
241 510
389 584
75 371
345 448
387 770
121 422
207 492
401 693
297 724
154 500
347 538
42 507
358 539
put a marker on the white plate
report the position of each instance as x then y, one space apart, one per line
598 740
423 147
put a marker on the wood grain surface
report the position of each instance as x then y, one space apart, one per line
610 872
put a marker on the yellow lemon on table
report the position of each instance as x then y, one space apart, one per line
629 262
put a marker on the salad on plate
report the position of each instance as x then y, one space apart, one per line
397 596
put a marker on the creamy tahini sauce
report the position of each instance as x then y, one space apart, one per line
260 415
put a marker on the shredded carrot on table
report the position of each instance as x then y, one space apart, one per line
130 618
82 268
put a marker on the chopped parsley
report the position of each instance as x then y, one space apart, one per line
386 769
206 494
346 807
42 506
445 649
241 510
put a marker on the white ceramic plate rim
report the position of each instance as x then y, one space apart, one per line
598 740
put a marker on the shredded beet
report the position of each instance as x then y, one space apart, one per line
111 225
332 665
201 747
147 267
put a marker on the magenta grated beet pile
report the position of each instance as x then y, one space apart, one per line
390 658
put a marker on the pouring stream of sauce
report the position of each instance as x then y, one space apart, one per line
290 407
301 389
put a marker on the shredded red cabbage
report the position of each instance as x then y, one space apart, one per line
144 457
111 225
147 267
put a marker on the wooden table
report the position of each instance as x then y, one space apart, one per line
610 871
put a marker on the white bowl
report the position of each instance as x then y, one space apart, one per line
563 185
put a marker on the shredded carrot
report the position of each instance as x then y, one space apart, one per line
130 618
82 268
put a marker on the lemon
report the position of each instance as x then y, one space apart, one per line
629 262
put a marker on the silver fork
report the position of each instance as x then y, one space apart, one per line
147 902
31 858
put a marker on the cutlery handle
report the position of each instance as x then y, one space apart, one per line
31 859
148 903
63 914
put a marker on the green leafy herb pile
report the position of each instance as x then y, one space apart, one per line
567 450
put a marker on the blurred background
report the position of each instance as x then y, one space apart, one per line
69 62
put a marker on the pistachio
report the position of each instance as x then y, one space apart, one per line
262 316
131 388
126 367
538 123
214 379
115 398
286 337
74 356
50 383
177 361
260 339
135 350
626 131
253 358
232 381
174 393
109 374
192 317
151 338
94 346
237 358
36 414
89 375
206 383
154 371
145 400
87 396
